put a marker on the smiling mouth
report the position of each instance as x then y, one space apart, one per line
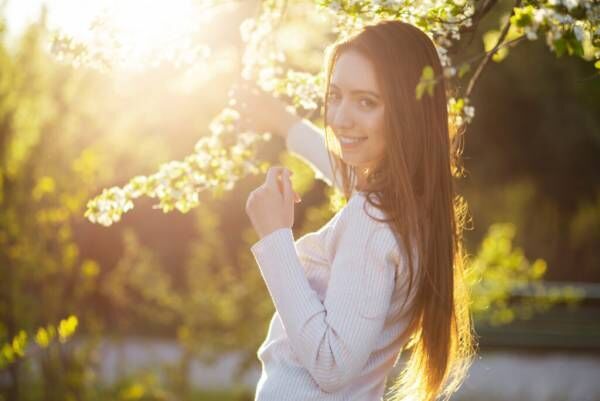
348 140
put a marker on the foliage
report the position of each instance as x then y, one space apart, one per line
44 337
49 166
63 137
39 257
498 272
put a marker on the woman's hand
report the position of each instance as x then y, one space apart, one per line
271 205
260 111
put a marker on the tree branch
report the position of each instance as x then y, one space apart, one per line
484 62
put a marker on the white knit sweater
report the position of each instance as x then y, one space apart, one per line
335 291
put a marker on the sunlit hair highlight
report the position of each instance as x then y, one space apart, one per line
414 187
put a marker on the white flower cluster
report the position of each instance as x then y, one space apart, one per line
219 160
305 89
261 58
109 206
570 4
350 16
460 112
557 19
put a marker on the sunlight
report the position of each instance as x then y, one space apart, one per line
133 33
146 26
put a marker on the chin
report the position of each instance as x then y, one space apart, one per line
352 160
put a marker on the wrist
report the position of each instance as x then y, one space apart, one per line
268 230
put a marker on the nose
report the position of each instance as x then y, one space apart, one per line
340 116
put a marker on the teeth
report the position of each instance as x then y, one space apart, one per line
348 140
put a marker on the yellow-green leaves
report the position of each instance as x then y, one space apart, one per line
490 39
567 29
460 111
44 337
304 176
523 16
463 69
499 269
426 82
66 328
13 349
90 268
538 269
44 185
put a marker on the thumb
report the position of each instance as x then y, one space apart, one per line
289 195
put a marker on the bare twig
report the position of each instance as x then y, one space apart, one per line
489 55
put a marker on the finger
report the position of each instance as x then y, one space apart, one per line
273 177
288 192
289 195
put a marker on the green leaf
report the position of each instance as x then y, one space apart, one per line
560 46
490 39
574 46
43 337
523 16
419 91
426 82
67 327
463 69
427 73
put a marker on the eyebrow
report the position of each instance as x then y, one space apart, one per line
359 91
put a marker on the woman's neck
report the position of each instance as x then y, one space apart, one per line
361 178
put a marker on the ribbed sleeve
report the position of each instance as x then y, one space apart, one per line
334 338
308 142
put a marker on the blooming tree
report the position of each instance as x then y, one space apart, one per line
224 155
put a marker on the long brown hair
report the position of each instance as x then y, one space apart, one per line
413 185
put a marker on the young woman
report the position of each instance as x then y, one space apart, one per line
351 297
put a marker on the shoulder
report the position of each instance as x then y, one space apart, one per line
359 210
361 224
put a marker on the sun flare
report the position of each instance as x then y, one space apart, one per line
136 33
144 26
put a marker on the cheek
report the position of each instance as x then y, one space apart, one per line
331 112
373 120
375 125
378 145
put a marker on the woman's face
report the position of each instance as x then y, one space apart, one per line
355 110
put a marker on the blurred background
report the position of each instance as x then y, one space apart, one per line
172 307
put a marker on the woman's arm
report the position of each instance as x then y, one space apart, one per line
260 111
333 339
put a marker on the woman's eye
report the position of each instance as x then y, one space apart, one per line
367 102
